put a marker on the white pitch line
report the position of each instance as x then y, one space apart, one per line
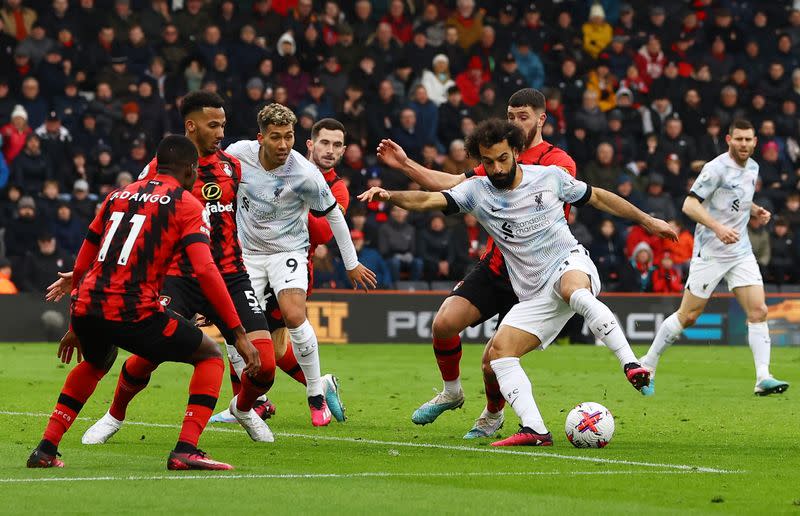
279 476
358 440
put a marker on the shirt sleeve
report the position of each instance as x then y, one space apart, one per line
571 190
462 198
317 194
195 222
707 182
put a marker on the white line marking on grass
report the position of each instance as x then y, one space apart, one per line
278 476
358 440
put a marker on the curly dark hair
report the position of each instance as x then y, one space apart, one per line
491 132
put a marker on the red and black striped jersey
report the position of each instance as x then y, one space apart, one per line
542 154
218 177
137 232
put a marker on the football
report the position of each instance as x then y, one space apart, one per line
589 425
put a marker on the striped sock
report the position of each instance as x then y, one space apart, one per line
203 393
133 378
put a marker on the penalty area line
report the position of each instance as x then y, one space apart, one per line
468 449
377 474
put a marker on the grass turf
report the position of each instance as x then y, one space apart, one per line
703 415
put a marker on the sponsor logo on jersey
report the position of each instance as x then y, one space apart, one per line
211 192
218 207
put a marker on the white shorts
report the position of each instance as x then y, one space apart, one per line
278 271
705 275
546 314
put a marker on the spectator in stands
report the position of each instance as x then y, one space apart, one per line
450 115
607 250
384 49
407 136
469 81
427 114
759 237
435 249
128 131
69 105
82 202
105 170
364 22
622 142
370 258
603 172
437 80
597 32
476 237
432 24
32 166
56 142
660 203
21 235
48 200
8 206
419 53
579 229
6 285
637 275
468 21
402 78
673 141
353 114
317 97
15 133
712 143
488 106
507 77
590 116
7 99
68 230
106 109
603 84
650 60
667 278
397 244
43 264
626 190
33 102
680 251
399 22
791 212
457 161
783 256
334 80
325 270
17 18
528 64
5 173
382 113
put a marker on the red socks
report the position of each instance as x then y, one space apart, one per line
448 356
252 388
203 393
133 379
288 364
236 384
79 385
494 398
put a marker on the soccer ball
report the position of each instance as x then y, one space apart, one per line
589 425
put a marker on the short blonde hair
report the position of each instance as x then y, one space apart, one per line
275 114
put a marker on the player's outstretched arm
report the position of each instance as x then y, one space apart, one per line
409 200
612 203
694 209
392 155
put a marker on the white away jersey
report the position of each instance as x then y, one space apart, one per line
727 192
273 205
527 223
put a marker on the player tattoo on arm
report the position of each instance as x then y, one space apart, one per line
615 205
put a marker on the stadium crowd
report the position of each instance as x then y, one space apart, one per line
640 94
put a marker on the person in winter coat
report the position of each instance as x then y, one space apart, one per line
597 32
783 260
637 276
437 80
32 166
608 251
667 278
371 258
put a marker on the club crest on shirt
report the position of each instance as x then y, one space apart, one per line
226 167
538 200
164 300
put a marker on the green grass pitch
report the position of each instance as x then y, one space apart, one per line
703 444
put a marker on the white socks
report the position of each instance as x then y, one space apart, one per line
453 386
758 338
236 359
517 391
603 324
306 350
667 334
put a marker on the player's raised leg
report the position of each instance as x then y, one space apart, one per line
669 331
455 314
508 345
576 287
752 300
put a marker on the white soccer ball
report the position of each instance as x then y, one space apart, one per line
589 425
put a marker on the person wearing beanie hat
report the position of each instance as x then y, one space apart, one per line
15 133
21 236
597 32
437 80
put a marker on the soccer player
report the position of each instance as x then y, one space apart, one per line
279 188
215 187
721 202
325 149
486 290
117 278
521 207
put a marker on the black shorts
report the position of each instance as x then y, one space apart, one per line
488 292
184 296
162 337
